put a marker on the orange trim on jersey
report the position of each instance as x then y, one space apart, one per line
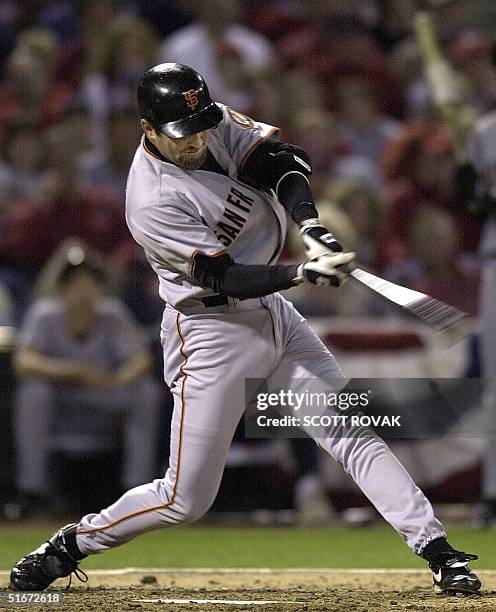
254 146
180 446
195 253
149 152
183 407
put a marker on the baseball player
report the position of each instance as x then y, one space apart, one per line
477 190
208 193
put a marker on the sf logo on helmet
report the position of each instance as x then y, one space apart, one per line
191 99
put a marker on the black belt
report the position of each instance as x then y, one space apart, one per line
215 300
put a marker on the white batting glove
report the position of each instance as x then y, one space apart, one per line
328 269
318 239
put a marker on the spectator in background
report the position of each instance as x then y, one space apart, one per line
437 265
41 43
472 56
451 20
30 92
16 294
124 133
22 160
10 18
483 16
315 130
301 92
408 66
78 126
93 18
273 19
166 15
364 206
221 49
364 128
336 47
116 60
420 169
54 15
267 98
84 367
64 207
139 293
396 19
451 17
6 306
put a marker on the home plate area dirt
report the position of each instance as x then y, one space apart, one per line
274 591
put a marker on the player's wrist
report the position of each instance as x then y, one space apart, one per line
299 275
303 211
307 224
318 239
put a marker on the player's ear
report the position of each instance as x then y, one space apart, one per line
148 129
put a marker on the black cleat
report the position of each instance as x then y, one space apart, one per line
50 561
451 574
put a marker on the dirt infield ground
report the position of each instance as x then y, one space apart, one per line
309 590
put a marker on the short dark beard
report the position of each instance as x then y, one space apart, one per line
193 163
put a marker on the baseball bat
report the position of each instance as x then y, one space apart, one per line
441 317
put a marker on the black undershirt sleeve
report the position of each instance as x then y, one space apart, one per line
285 169
224 276
295 195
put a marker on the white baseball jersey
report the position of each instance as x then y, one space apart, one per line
174 213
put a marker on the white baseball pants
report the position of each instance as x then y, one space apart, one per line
208 354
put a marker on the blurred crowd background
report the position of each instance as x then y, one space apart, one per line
342 78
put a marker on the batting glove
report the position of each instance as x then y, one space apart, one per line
328 269
318 240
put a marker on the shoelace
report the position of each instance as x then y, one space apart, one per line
467 558
80 575
451 556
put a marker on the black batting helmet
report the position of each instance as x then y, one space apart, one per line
175 99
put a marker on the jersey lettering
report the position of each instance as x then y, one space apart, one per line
238 198
242 196
234 217
228 229
227 232
223 239
236 203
